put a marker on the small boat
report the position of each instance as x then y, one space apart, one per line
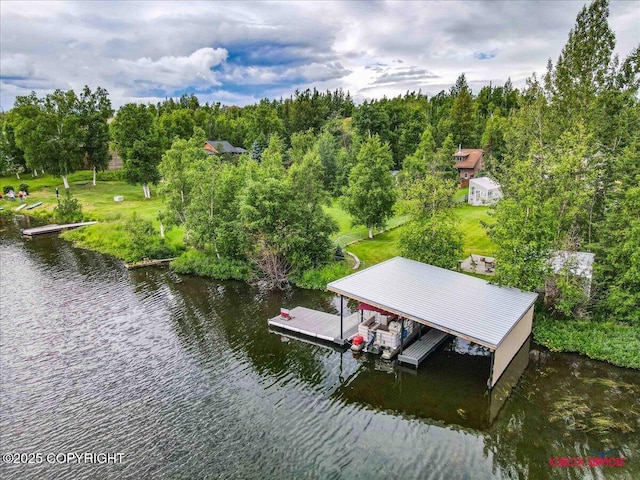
31 207
20 207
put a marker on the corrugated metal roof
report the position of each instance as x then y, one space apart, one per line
460 304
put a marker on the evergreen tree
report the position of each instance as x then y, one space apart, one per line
462 117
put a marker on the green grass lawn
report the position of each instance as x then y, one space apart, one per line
476 239
377 249
348 234
97 202
460 194
387 244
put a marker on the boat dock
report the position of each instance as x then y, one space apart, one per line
30 232
422 348
321 325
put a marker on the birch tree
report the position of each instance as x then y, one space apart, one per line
370 195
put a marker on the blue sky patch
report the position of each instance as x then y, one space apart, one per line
485 55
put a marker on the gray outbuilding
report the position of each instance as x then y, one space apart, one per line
468 307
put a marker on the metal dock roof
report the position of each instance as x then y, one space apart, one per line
465 306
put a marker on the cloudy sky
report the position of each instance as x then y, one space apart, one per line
239 52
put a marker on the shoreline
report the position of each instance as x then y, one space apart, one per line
609 341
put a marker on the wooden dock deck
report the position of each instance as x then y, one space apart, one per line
30 232
422 348
316 324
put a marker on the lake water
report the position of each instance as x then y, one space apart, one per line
181 377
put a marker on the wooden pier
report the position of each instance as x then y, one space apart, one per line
321 325
30 232
422 348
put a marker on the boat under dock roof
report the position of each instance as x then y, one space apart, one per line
468 307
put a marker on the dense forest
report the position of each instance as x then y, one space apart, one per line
565 148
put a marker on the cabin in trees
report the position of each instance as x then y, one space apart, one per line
220 147
483 191
468 162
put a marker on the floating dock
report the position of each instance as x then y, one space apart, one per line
422 348
30 232
321 325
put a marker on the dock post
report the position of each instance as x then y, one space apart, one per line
341 313
402 336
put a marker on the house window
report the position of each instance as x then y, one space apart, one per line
466 175
472 189
489 193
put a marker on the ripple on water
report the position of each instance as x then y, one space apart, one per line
182 376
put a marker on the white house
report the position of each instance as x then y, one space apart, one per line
483 191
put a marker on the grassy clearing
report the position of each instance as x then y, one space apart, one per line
115 238
610 341
460 195
346 232
476 239
387 245
97 202
377 249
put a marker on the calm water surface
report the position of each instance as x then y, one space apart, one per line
182 376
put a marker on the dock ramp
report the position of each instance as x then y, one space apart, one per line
422 348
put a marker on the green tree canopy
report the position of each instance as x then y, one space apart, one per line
370 195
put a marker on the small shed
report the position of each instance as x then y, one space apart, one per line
483 191
495 317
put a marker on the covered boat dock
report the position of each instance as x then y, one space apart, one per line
495 317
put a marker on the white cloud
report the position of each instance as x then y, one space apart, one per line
173 72
16 66
246 50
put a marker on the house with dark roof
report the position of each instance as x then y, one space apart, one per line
219 147
468 161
